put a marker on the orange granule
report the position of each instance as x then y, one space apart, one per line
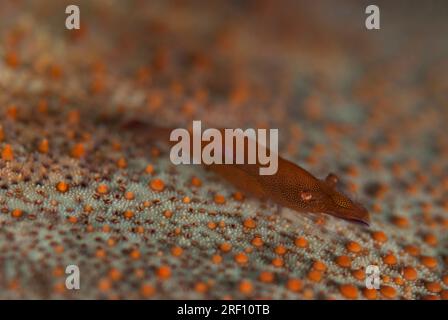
344 261
135 254
319 266
429 262
433 287
104 285
294 284
250 223
149 169
129 195
100 253
128 214
139 229
211 225
176 251
196 182
164 272
168 213
315 276
390 259
266 276
7 153
359 274
201 287
431 240
241 258
238 196
281 250
115 274
43 146
78 151
12 59
353 246
186 200
216 259
388 292
62 187
147 290
401 222
157 185
301 242
257 241
225 247
245 287
16 213
349 291
72 219
220 199
409 273
102 189
277 262
379 236
369 294
412 250
122 163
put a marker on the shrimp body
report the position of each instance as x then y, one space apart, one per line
291 186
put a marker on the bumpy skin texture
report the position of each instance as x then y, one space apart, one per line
75 189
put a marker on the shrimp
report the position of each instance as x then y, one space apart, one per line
291 186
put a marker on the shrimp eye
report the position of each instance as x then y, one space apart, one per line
332 179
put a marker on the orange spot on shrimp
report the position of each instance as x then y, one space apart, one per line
412 250
135 254
216 259
201 287
359 274
149 169
129 195
115 274
122 163
238 196
104 285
